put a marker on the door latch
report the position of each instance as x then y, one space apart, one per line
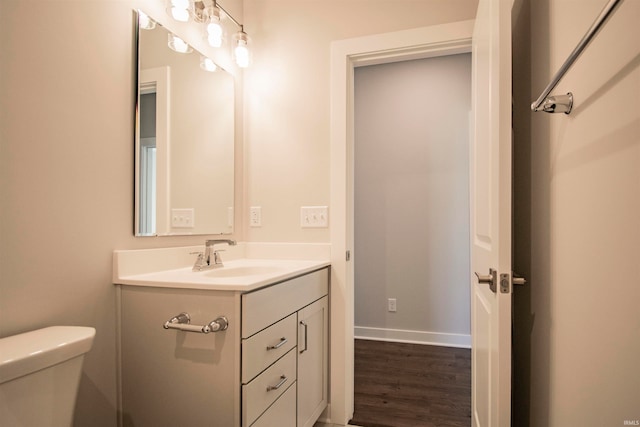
515 279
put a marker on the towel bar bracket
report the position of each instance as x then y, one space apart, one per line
558 104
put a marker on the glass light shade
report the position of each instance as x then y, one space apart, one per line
145 22
207 64
180 4
178 45
241 53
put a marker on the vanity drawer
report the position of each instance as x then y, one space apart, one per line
266 306
260 393
267 346
282 413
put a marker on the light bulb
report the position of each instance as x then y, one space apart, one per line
180 10
242 55
207 64
214 31
181 15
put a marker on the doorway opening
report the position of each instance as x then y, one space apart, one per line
347 55
411 226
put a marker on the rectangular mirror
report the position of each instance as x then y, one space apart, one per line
184 141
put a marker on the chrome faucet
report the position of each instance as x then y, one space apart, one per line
211 258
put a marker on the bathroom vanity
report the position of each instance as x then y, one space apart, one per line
267 368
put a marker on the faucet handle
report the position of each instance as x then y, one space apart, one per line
199 264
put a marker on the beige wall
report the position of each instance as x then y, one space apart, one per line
66 154
585 226
287 97
66 175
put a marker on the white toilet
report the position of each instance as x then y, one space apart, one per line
39 375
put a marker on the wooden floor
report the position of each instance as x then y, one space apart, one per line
411 385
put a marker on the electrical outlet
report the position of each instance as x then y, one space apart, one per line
255 216
182 218
391 305
314 216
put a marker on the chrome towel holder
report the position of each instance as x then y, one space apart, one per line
564 103
182 322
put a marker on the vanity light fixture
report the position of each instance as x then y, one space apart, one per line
209 14
178 45
145 22
207 64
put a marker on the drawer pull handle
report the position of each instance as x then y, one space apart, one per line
182 322
283 379
282 342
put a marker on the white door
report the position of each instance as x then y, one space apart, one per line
491 214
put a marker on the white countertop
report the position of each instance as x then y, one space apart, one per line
244 275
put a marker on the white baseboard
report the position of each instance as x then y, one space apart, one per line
413 337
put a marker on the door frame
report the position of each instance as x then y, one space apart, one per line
346 55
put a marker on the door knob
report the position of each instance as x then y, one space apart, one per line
490 279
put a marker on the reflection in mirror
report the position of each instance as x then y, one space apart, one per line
184 140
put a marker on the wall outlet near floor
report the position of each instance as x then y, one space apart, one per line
391 305
314 216
255 216
182 218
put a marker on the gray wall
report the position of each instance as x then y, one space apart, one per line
412 196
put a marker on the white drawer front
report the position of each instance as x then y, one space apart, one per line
266 306
282 413
267 346
260 393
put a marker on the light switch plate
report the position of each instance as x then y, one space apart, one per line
182 218
314 216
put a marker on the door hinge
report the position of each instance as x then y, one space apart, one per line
348 256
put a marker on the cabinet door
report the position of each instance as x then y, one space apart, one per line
313 324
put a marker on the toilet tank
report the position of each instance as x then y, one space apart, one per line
39 375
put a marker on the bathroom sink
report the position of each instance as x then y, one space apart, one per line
244 270
243 274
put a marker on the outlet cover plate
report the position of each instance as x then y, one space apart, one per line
314 217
